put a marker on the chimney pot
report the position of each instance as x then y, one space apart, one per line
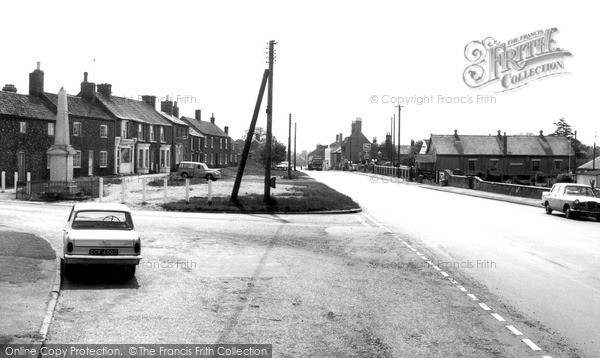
85 76
38 65
226 128
199 114
541 133
212 119
499 132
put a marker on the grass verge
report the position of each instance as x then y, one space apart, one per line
307 196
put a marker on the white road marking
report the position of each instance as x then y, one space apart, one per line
498 317
472 296
437 268
531 344
424 258
430 263
413 249
484 306
461 288
546 357
418 253
444 274
514 330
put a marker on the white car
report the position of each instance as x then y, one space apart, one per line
573 200
282 166
101 233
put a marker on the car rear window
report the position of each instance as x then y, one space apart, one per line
102 220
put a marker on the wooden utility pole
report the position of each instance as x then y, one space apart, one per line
295 154
267 194
289 149
249 137
399 111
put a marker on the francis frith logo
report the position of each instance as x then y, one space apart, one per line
514 63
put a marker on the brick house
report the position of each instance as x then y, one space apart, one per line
180 140
142 142
26 133
352 146
216 146
520 155
30 131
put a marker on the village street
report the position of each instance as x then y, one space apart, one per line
343 284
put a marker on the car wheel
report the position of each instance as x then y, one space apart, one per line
209 177
68 270
568 213
184 175
548 209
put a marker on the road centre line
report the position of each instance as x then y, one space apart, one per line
531 344
514 330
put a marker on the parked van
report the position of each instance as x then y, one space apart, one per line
197 170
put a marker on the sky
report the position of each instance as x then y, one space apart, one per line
336 61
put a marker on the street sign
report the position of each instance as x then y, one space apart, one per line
366 155
366 147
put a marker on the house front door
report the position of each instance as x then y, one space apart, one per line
21 167
91 163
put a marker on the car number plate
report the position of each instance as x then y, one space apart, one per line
104 252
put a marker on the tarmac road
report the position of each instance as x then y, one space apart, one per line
547 267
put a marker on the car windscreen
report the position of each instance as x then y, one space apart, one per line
579 191
103 220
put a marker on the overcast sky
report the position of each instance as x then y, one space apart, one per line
332 57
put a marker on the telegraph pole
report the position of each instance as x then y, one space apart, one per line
267 194
295 154
289 148
399 110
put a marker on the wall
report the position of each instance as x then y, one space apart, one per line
476 183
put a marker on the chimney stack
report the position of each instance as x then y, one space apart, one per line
257 136
175 110
88 89
226 128
166 106
36 82
199 115
105 89
212 118
456 134
374 140
9 88
151 100
541 133
505 149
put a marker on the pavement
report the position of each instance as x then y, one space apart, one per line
461 191
28 272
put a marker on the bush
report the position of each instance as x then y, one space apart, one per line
564 178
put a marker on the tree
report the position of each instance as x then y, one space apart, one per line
563 129
258 130
278 152
415 148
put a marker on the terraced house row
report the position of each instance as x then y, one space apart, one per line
112 134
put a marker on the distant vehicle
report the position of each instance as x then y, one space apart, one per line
197 170
101 233
315 162
573 200
282 166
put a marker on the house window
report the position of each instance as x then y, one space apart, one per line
557 164
50 129
103 131
494 164
472 164
212 142
535 165
48 161
77 160
192 144
152 134
162 134
103 159
140 132
76 129
205 142
220 143
23 127
123 129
